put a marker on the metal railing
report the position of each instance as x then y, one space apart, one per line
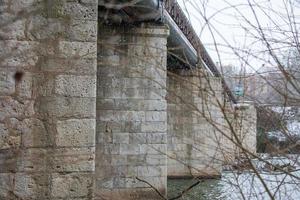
177 14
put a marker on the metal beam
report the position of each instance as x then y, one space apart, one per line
183 41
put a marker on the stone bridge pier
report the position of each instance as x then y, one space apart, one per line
48 60
194 118
131 145
90 111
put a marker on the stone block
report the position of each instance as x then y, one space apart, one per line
156 160
138 138
132 127
24 88
25 186
129 149
5 185
11 108
117 160
11 29
156 116
107 183
21 185
66 107
7 83
156 138
136 160
8 138
155 105
156 149
154 127
34 133
132 116
75 10
40 28
84 50
78 66
111 149
19 54
43 84
121 138
19 7
83 30
33 160
8 160
150 171
107 64
76 132
105 127
74 159
72 185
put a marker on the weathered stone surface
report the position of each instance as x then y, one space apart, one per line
75 10
156 116
25 186
9 138
47 98
131 110
5 185
18 53
75 132
83 30
191 136
33 160
73 66
74 159
154 127
24 87
7 83
246 128
75 50
75 86
71 185
34 133
11 29
21 185
67 107
39 28
11 108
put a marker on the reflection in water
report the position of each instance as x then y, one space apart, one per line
208 189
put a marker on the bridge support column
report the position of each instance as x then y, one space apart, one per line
48 63
193 141
131 112
245 125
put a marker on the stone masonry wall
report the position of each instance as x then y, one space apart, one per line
246 118
242 133
131 112
47 98
193 142
228 147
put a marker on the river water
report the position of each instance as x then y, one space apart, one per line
208 189
237 186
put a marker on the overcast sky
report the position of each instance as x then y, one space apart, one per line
228 26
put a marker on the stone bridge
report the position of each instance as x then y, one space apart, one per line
102 100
